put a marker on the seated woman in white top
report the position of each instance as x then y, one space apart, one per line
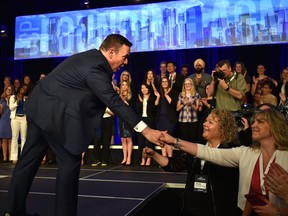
270 137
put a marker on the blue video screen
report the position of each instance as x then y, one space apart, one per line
151 27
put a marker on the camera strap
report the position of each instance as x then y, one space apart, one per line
228 80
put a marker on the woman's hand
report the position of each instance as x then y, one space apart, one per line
168 91
277 181
282 98
147 153
255 80
267 210
157 94
204 101
245 123
167 138
140 98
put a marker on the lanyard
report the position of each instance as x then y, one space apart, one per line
265 172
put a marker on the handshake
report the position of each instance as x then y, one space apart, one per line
160 138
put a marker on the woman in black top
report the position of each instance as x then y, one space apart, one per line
146 107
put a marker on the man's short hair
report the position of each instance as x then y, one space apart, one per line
171 62
223 62
185 65
114 41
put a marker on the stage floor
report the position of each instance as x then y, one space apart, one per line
103 191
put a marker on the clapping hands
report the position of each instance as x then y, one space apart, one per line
277 181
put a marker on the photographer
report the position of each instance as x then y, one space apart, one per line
228 87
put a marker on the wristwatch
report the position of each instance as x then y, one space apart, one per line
227 89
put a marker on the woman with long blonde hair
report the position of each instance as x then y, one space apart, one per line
126 132
5 126
188 105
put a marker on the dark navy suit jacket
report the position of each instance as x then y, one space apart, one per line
69 103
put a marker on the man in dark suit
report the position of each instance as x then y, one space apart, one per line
176 80
63 111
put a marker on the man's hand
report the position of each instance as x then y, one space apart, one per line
153 136
223 84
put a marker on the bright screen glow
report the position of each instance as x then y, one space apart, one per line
158 26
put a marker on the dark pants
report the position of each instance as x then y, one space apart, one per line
188 131
35 148
142 141
104 137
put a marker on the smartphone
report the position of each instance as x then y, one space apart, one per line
255 199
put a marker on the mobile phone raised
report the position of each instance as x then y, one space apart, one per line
255 199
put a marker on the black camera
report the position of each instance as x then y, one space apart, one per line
246 112
238 117
218 75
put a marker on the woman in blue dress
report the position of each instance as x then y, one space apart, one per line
167 116
5 126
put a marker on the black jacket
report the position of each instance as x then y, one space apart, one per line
69 103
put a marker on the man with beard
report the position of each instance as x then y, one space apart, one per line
200 78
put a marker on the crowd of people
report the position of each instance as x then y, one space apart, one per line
179 109
184 99
13 124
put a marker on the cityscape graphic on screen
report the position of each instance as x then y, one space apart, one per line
158 26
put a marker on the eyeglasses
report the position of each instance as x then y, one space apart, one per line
125 74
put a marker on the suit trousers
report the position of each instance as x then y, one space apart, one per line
35 148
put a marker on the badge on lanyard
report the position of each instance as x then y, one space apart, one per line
200 183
